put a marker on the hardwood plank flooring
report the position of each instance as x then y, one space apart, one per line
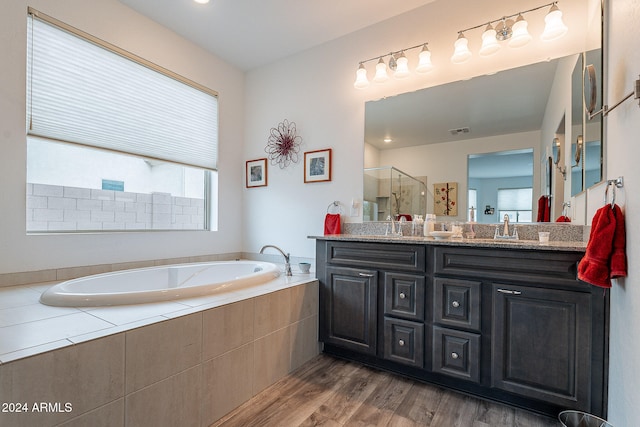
332 392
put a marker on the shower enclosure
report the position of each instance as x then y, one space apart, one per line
391 192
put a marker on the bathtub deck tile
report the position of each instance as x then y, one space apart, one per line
32 312
31 334
32 351
123 314
116 329
17 296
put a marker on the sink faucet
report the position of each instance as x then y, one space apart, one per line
505 230
287 264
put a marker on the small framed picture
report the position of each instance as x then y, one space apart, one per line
257 173
317 166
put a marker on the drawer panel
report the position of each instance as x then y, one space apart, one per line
456 354
382 256
404 342
404 295
457 303
551 267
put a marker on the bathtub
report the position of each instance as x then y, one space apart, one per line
162 283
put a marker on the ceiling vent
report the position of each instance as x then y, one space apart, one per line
459 131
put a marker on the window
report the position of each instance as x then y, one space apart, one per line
113 141
515 202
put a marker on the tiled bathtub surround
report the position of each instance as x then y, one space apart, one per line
558 231
186 362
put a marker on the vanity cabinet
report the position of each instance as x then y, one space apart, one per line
504 323
371 293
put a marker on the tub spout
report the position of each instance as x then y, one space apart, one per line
287 263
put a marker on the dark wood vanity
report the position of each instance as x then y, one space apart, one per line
511 324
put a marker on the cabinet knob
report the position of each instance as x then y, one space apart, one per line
401 343
402 295
454 355
455 304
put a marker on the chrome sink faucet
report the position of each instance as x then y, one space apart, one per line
505 230
287 263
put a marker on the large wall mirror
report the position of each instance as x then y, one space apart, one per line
493 133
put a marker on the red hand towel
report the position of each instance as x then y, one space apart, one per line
594 268
544 210
563 218
618 264
332 224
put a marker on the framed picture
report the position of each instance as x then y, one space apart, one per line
257 173
445 198
317 166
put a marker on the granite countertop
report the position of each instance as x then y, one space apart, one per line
478 243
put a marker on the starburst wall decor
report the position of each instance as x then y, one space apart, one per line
284 145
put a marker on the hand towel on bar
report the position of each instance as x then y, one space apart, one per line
544 210
618 264
332 224
606 238
563 218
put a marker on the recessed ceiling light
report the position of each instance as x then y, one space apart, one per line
201 1
387 140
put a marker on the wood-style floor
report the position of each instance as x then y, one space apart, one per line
334 392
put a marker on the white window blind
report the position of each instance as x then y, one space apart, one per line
85 93
515 199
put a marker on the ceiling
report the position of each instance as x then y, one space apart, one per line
252 33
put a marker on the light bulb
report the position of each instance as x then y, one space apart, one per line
489 42
554 28
402 67
381 72
424 61
361 78
521 34
461 53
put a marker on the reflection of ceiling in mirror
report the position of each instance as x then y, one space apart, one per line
501 165
508 102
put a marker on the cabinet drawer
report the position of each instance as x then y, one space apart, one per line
385 256
404 295
404 342
552 267
456 354
457 303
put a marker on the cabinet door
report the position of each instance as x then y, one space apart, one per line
541 345
349 300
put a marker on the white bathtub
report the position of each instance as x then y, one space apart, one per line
161 283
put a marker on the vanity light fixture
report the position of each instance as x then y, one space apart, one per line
398 64
516 33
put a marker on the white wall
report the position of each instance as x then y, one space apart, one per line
447 162
315 90
622 127
117 24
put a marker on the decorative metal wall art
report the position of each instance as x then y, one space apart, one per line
284 145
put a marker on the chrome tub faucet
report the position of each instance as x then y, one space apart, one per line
287 263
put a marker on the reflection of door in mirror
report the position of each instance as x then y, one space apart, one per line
593 127
577 127
560 174
503 180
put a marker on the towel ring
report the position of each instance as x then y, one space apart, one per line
335 204
616 183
